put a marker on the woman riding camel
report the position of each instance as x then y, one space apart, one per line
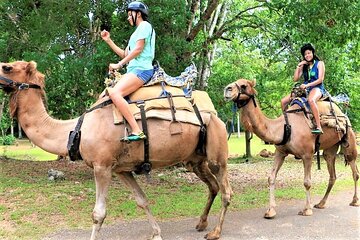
313 71
139 55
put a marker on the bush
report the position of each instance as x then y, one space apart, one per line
7 140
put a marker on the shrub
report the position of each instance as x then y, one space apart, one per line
7 140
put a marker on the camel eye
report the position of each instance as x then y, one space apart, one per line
6 68
243 87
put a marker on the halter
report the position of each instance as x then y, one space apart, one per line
241 103
18 85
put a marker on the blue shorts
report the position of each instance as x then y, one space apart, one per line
144 75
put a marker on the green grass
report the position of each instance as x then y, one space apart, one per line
24 150
237 145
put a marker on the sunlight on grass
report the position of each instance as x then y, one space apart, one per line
23 150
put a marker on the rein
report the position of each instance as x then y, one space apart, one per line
242 103
18 85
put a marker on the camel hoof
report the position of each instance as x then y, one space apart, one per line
213 235
270 213
306 212
319 206
201 226
355 204
156 237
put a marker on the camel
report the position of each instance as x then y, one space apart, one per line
300 144
102 150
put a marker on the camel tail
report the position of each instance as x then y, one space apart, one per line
348 147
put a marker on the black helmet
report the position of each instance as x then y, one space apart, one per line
138 6
307 46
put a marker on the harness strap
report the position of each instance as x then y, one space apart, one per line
287 130
144 167
200 148
74 141
317 150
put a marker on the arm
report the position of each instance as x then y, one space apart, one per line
139 47
321 67
105 35
299 70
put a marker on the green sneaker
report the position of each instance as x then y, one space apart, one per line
136 137
317 131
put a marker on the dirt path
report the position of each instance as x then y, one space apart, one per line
338 221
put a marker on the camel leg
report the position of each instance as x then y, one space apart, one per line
226 193
355 173
278 161
307 161
102 181
129 180
203 172
329 156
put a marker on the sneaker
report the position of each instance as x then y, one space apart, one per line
135 137
317 131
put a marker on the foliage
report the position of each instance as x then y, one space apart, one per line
7 140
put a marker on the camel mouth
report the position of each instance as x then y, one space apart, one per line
228 94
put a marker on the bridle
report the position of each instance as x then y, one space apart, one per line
16 85
241 103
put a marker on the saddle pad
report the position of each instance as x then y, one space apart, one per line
165 114
203 102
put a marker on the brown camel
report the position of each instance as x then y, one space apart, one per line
301 143
102 150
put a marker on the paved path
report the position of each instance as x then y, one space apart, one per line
338 221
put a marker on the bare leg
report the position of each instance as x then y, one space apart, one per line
141 201
307 160
330 156
128 84
278 161
102 181
313 97
285 101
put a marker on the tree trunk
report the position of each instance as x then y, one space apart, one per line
248 137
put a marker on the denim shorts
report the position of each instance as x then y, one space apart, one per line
144 75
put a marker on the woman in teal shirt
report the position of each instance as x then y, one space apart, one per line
139 55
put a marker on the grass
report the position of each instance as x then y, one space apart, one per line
31 206
23 149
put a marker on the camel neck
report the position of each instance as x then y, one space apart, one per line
269 130
44 131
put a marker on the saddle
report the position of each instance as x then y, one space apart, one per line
330 113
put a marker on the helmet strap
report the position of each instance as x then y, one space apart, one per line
134 18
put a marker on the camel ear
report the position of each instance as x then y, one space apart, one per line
253 82
31 67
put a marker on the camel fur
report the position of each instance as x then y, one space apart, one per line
300 144
102 150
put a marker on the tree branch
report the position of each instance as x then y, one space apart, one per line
206 16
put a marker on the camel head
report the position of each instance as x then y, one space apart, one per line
240 91
20 76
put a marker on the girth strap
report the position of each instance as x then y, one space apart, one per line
144 167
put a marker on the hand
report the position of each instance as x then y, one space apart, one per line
302 63
105 35
303 86
115 66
